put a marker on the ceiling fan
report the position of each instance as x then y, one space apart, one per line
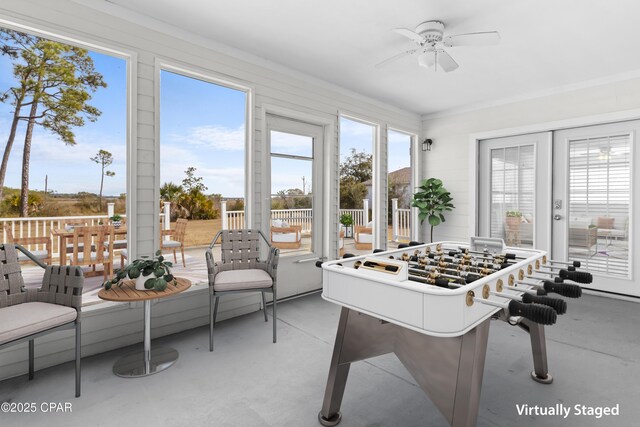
430 41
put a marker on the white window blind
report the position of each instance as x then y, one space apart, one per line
513 189
600 202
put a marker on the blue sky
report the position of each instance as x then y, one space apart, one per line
68 167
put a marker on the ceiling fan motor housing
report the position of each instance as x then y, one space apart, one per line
431 31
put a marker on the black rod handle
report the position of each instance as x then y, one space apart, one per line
577 276
540 314
564 289
559 305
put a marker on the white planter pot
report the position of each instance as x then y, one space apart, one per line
140 282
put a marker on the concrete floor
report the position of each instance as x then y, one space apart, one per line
594 355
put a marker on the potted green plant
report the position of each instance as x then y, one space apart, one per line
513 220
116 221
149 273
432 200
346 219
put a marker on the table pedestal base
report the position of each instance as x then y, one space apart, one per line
134 365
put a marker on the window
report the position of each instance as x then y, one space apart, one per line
75 149
202 164
356 185
400 187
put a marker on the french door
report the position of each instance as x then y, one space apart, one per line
596 204
514 191
571 192
294 205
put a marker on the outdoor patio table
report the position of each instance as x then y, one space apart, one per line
63 234
141 364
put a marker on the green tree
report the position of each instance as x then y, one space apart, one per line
358 166
355 170
170 192
54 80
193 200
104 159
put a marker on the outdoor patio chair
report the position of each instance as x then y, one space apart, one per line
363 237
285 236
43 255
27 314
84 251
176 239
241 270
70 225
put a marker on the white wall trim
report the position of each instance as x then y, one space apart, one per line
475 138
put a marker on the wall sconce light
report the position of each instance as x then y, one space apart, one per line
426 144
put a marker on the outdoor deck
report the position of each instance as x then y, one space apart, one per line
249 381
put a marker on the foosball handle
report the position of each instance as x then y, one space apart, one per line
564 289
577 276
559 305
509 256
540 314
319 264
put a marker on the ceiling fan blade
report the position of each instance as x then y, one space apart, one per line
427 59
445 61
473 39
395 58
409 34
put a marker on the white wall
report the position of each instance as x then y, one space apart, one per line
271 85
449 159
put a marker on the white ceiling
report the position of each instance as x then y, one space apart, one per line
546 45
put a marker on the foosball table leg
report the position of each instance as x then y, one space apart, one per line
337 380
448 369
540 371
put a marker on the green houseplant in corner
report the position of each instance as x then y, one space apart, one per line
432 200
149 273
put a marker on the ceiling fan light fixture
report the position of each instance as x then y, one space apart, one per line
427 59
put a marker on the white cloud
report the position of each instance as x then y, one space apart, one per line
218 137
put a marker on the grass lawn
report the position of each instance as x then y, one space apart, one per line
201 232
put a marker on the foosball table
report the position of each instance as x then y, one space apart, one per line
431 305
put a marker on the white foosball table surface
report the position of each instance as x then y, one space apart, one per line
428 309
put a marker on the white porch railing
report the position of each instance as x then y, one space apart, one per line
42 226
401 222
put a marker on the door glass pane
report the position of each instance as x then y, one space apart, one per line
600 202
291 192
512 194
400 190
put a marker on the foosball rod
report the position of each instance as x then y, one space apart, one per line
565 289
575 276
559 305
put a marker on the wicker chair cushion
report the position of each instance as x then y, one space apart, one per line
93 256
32 317
250 278
38 254
170 244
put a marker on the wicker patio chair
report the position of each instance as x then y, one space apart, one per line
241 270
27 314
